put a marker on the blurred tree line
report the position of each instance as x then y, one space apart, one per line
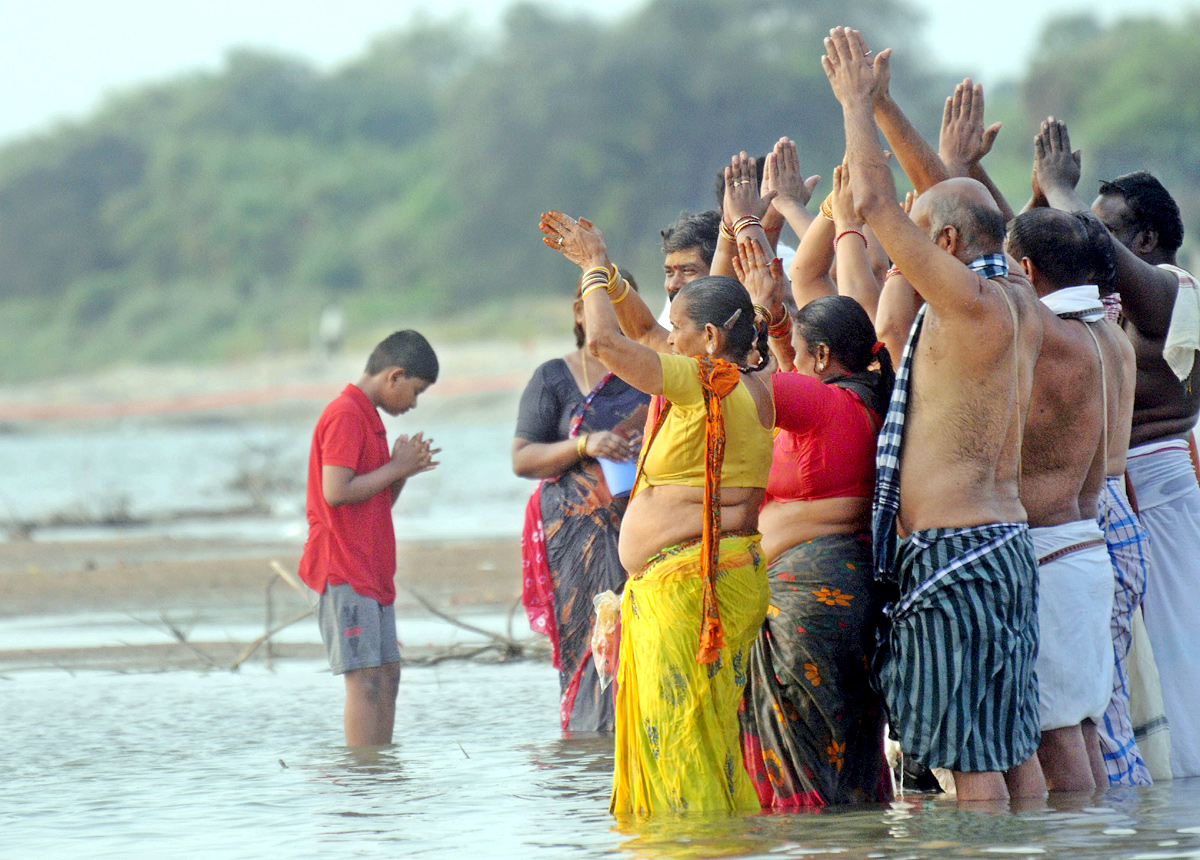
213 215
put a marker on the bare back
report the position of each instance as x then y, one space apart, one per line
959 461
1064 431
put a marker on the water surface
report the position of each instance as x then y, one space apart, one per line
251 764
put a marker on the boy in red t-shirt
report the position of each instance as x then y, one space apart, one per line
350 556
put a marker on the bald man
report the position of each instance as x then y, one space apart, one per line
956 663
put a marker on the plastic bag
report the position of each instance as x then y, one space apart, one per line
604 636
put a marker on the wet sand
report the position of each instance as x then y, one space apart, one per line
162 574
165 577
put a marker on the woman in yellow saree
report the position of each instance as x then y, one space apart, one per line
697 591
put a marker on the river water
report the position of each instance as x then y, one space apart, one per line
252 764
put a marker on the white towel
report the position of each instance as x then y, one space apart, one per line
1183 334
1081 302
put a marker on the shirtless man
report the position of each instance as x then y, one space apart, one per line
956 665
1075 415
1157 300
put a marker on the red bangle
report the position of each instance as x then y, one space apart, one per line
839 236
894 270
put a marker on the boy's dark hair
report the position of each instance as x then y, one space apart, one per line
698 231
407 349
1151 205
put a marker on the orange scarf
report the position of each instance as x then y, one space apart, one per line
717 377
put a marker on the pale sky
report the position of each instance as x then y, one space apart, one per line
63 56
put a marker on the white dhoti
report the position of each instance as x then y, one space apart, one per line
1075 646
1168 501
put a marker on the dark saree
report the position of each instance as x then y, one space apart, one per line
579 524
812 726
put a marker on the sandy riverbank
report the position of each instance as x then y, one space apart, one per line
188 579
44 578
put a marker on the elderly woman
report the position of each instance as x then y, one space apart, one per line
697 590
574 411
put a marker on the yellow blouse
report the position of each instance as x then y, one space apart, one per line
677 453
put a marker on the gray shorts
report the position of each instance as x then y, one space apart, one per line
358 633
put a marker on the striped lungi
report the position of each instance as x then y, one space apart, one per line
1128 546
957 654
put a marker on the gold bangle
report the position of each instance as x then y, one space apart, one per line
581 445
827 206
623 295
592 289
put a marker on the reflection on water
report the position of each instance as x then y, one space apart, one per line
251 765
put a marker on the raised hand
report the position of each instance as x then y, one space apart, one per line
742 195
844 216
762 275
579 241
781 174
964 140
1056 167
854 77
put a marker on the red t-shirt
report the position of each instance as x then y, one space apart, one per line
825 447
353 544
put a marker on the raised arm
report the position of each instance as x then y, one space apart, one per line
942 280
782 174
855 277
744 208
580 241
916 157
637 321
964 140
1147 292
764 279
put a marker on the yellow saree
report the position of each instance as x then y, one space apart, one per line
678 743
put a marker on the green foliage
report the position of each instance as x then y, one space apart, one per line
1127 94
215 214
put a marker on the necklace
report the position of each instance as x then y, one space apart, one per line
583 362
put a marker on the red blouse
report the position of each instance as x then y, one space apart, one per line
824 444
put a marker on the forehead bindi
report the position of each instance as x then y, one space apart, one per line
687 260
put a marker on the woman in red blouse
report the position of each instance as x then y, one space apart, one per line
813 727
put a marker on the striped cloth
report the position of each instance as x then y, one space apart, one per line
1128 545
886 503
887 452
956 662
